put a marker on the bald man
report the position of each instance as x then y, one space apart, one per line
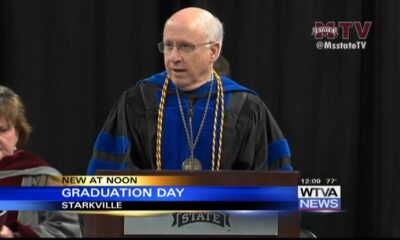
188 117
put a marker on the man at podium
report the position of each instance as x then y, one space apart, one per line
189 117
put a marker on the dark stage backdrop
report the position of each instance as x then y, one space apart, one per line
339 109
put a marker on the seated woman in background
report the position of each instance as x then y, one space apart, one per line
21 168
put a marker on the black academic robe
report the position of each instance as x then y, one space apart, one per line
251 140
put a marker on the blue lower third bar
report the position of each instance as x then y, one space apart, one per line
150 198
29 205
151 194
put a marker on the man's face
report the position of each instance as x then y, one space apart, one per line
188 69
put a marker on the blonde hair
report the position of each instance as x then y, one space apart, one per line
12 110
213 28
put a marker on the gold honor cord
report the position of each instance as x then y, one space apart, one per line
160 122
221 128
219 101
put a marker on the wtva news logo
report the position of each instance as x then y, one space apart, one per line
319 198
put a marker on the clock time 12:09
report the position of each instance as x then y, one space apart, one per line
310 181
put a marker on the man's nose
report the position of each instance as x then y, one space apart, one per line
175 55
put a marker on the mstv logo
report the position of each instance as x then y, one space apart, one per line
319 198
330 31
217 218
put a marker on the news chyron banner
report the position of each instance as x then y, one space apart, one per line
165 193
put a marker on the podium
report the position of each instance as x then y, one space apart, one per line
287 222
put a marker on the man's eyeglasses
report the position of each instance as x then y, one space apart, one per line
184 47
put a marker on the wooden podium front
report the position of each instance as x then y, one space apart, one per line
288 222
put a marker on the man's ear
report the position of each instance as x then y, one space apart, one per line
215 51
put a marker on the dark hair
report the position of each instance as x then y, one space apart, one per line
12 110
222 66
